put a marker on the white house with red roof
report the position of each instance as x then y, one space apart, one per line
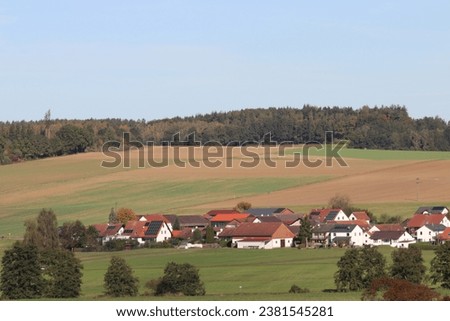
108 232
219 221
262 235
429 232
155 217
419 220
361 216
327 215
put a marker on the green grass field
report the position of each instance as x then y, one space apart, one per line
372 154
231 274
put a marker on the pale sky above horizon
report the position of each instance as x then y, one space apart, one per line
164 58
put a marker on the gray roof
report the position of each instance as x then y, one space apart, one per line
431 209
323 228
187 220
341 239
435 227
289 218
265 211
269 219
342 228
331 216
386 235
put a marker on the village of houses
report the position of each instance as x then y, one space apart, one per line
268 228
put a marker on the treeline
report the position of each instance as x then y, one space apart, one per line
374 128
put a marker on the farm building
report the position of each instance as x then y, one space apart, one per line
399 239
262 236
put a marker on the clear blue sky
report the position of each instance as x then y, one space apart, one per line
154 59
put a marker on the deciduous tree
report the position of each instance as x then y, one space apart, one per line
408 264
243 206
21 275
43 231
62 273
125 214
305 231
358 267
340 201
73 235
440 266
119 280
209 235
180 279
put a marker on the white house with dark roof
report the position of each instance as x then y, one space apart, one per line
336 215
399 239
346 234
432 210
428 232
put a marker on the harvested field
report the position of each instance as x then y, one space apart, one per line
78 187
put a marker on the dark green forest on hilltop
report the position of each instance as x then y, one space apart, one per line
373 128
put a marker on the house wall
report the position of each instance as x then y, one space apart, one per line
404 241
251 245
357 236
341 216
164 233
424 234
272 244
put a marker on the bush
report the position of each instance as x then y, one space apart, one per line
424 246
296 289
120 245
388 289
158 245
153 284
180 279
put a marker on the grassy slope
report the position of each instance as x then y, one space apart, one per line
231 274
372 154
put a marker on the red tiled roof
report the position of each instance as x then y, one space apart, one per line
107 229
182 234
389 227
445 235
227 232
255 239
289 218
135 229
361 215
216 212
321 214
154 217
229 217
419 220
263 230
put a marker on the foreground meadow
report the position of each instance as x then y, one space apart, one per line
231 274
